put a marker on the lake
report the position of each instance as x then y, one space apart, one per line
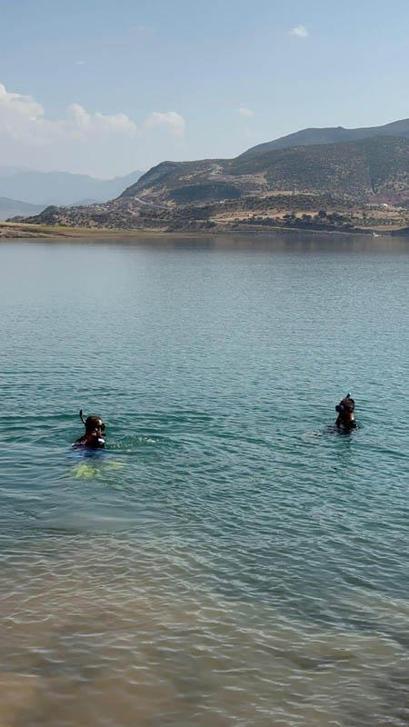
229 559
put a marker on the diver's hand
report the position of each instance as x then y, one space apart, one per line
97 437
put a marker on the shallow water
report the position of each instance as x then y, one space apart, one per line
229 559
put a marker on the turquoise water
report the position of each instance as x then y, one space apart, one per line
229 559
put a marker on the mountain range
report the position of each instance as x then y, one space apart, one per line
331 135
332 168
13 207
59 188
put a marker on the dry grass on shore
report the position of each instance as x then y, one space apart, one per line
30 231
12 230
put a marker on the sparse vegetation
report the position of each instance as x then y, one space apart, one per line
345 186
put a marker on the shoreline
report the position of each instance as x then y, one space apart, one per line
30 231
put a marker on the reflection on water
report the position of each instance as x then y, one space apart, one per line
290 241
229 559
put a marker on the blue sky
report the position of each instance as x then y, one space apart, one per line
105 87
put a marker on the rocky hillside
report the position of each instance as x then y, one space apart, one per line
340 176
361 171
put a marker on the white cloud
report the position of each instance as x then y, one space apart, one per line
168 119
23 119
300 31
81 121
23 106
29 136
246 112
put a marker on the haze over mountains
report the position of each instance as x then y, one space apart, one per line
335 167
13 207
19 187
337 134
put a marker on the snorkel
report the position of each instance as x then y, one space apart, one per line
94 429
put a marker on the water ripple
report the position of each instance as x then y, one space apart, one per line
230 558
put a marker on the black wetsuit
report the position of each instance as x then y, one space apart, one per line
345 424
346 419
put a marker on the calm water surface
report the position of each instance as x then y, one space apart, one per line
229 560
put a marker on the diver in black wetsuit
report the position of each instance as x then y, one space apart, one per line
94 433
346 416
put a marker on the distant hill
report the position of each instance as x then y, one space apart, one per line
339 175
60 188
310 137
13 207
